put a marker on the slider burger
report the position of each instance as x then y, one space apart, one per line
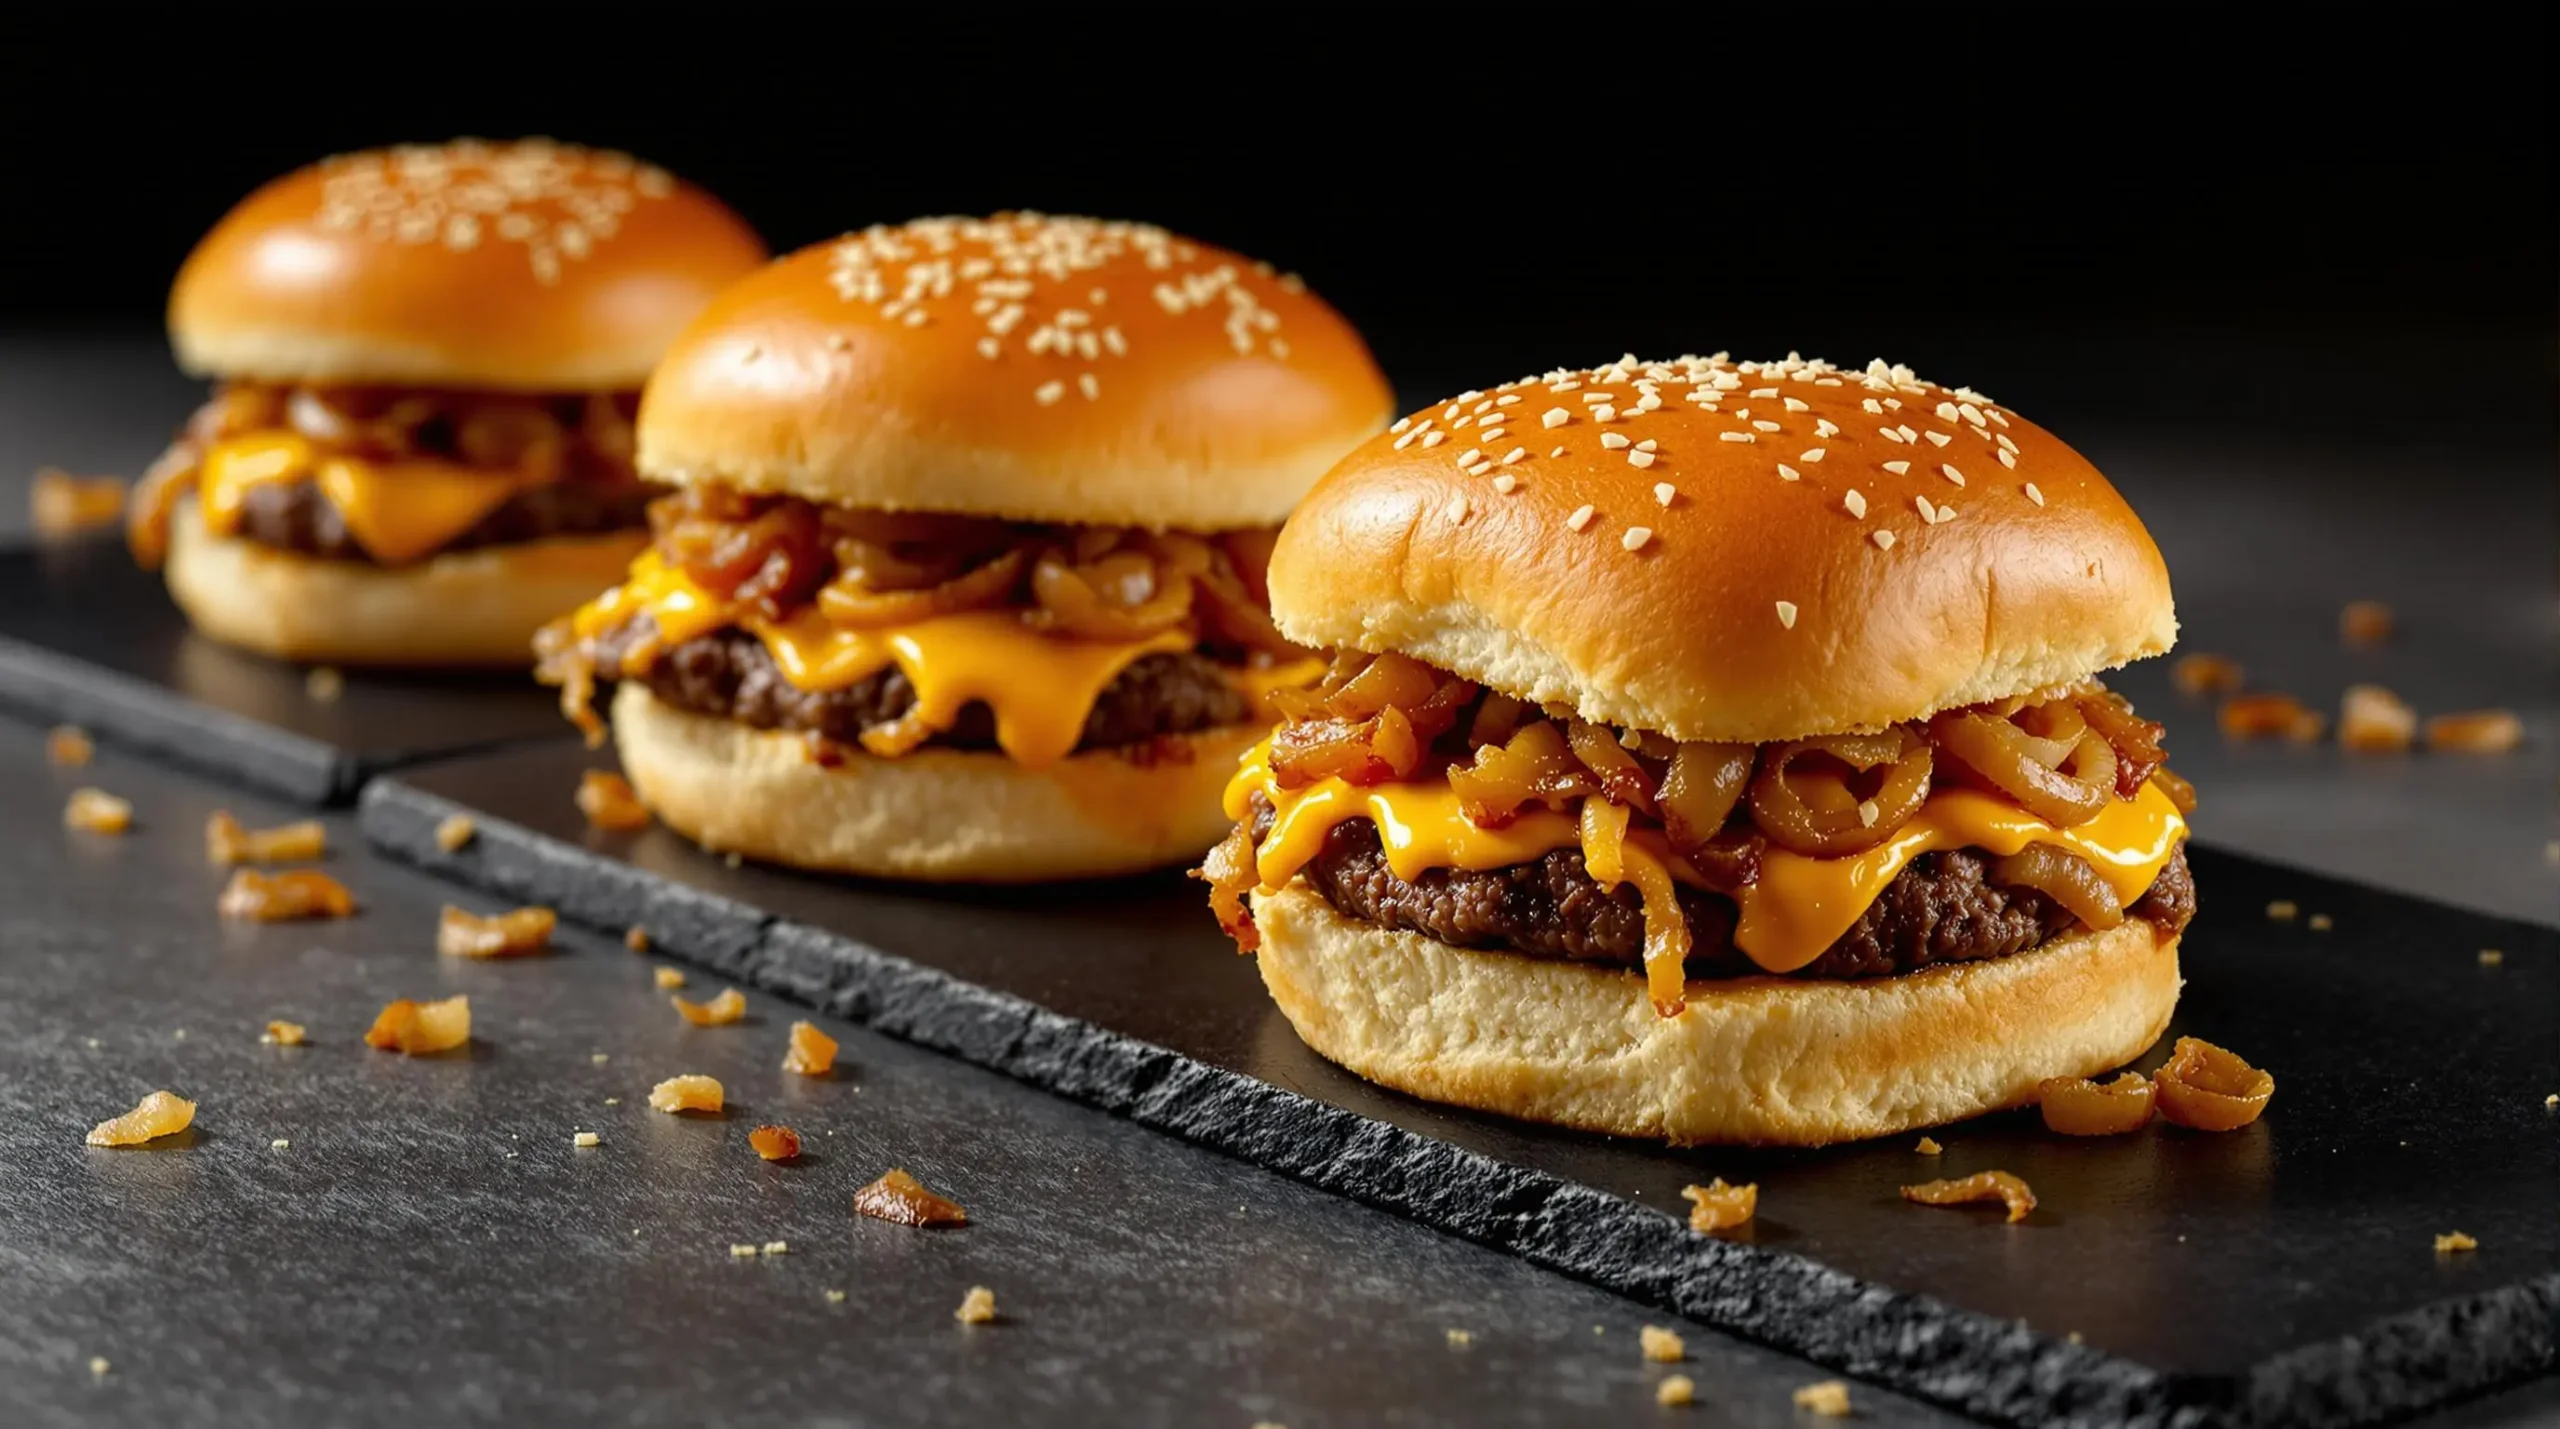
1714 752
427 359
963 577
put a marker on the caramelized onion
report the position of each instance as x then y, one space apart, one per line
1622 779
1230 873
2077 1106
1495 718
1116 597
1980 1186
847 602
1814 811
2209 1089
2180 792
1699 790
1533 766
2135 740
2066 878
2001 753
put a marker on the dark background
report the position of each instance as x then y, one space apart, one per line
1994 198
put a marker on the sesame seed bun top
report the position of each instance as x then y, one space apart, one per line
1727 551
526 266
1020 366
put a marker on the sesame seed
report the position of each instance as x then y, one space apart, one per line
1856 503
1508 399
1486 434
1089 385
2007 460
1648 444
1433 439
1884 540
2034 495
1050 392
1515 454
1461 422
1928 513
1555 417
1948 471
1889 434
1556 453
1759 392
1592 399
1824 427
1870 405
1764 426
2006 445
1786 472
1604 414
1580 518
1908 435
1640 459
1458 509
1972 413
1469 457
1482 407
1787 614
1736 437
1898 468
1636 537
1406 440
838 342
1940 438
1506 483
1795 405
1613 441
1946 411
1663 492
1400 424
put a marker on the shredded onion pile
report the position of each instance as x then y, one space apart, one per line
584 436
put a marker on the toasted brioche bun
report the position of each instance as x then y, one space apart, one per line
1756 1060
1755 605
528 266
936 815
1032 368
478 607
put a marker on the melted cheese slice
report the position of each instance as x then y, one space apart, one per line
1799 907
398 511
1041 688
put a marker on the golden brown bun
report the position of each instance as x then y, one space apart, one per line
937 815
1754 606
478 607
1043 369
530 266
1758 1060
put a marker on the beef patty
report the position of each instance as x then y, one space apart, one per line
1941 909
294 516
730 675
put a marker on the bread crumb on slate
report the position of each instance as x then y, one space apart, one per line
2321 922
668 979
636 938
903 1200
98 1366
96 811
1719 1207
2365 622
1675 1390
1661 1346
283 897
2452 1241
518 934
68 745
777 1247
739 1250
284 1034
1830 1399
774 1143
60 505
2283 910
279 1144
586 1139
2551 1102
1460 1339
689 1092
812 1052
226 842
609 802
835 1297
2475 732
599 1058
1928 1146
720 1011
456 831
977 1307
2491 957
324 684
158 1114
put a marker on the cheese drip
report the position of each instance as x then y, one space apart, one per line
1798 907
1040 687
397 511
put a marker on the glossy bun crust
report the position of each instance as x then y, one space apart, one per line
1020 366
1724 551
1776 1061
527 266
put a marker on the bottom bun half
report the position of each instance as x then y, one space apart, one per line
1754 1060
935 814
478 607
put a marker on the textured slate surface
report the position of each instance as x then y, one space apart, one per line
431 1249
87 637
2281 1273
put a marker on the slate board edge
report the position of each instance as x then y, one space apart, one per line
1958 1358
151 719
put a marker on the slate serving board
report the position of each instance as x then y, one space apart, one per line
2280 1274
88 638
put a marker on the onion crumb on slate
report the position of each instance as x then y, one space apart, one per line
1461 1339
728 1007
812 1053
609 802
226 842
689 1092
903 1200
1675 1390
977 1307
522 933
158 1114
1830 1399
455 832
2453 1241
96 811
669 979
1661 1346
1719 1207
1928 1146
586 1139
68 745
